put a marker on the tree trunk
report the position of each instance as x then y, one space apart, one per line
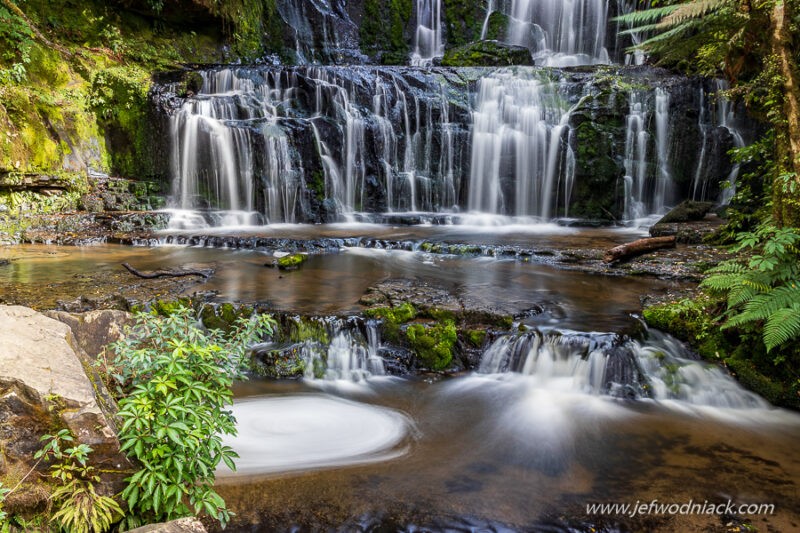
786 202
632 249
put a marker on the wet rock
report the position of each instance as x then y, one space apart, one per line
487 53
279 361
94 330
687 211
688 232
181 525
43 385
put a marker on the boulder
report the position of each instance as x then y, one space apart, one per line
487 54
95 329
687 211
43 387
181 525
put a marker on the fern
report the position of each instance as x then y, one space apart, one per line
764 288
645 16
763 306
692 10
783 325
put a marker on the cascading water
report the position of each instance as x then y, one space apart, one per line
428 39
321 144
349 356
560 33
591 363
636 141
519 148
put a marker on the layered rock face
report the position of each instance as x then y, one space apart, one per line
44 387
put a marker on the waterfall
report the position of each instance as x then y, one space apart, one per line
727 120
635 161
663 185
349 356
594 363
323 144
560 32
428 40
520 128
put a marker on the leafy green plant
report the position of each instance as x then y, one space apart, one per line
80 509
177 380
765 287
3 515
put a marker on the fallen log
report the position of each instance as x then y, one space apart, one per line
641 246
167 273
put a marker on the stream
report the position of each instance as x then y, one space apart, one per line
562 415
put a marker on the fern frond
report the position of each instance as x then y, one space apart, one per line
741 294
645 16
723 282
763 306
727 266
675 32
782 326
691 10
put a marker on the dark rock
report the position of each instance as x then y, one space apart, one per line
181 525
279 361
487 54
686 211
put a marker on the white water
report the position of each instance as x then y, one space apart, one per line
428 39
636 142
597 364
304 432
560 33
519 138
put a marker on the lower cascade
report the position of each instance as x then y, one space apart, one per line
324 144
658 367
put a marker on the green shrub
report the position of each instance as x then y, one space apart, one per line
177 380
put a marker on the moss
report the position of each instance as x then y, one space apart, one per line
302 329
223 316
433 344
463 21
486 53
475 337
291 261
392 318
167 307
384 30
440 315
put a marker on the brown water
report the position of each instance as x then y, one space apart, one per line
328 283
499 453
468 453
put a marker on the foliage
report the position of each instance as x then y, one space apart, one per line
80 509
3 514
177 379
765 287
714 34
16 42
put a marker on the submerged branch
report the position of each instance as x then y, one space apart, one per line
167 273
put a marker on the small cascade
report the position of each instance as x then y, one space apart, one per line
717 126
726 119
635 162
323 31
428 39
519 145
594 363
560 33
663 183
349 356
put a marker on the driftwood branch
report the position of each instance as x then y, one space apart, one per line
632 249
167 273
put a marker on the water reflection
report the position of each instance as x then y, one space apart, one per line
334 282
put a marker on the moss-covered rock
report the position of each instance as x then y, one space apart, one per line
433 344
291 261
391 319
487 53
741 351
